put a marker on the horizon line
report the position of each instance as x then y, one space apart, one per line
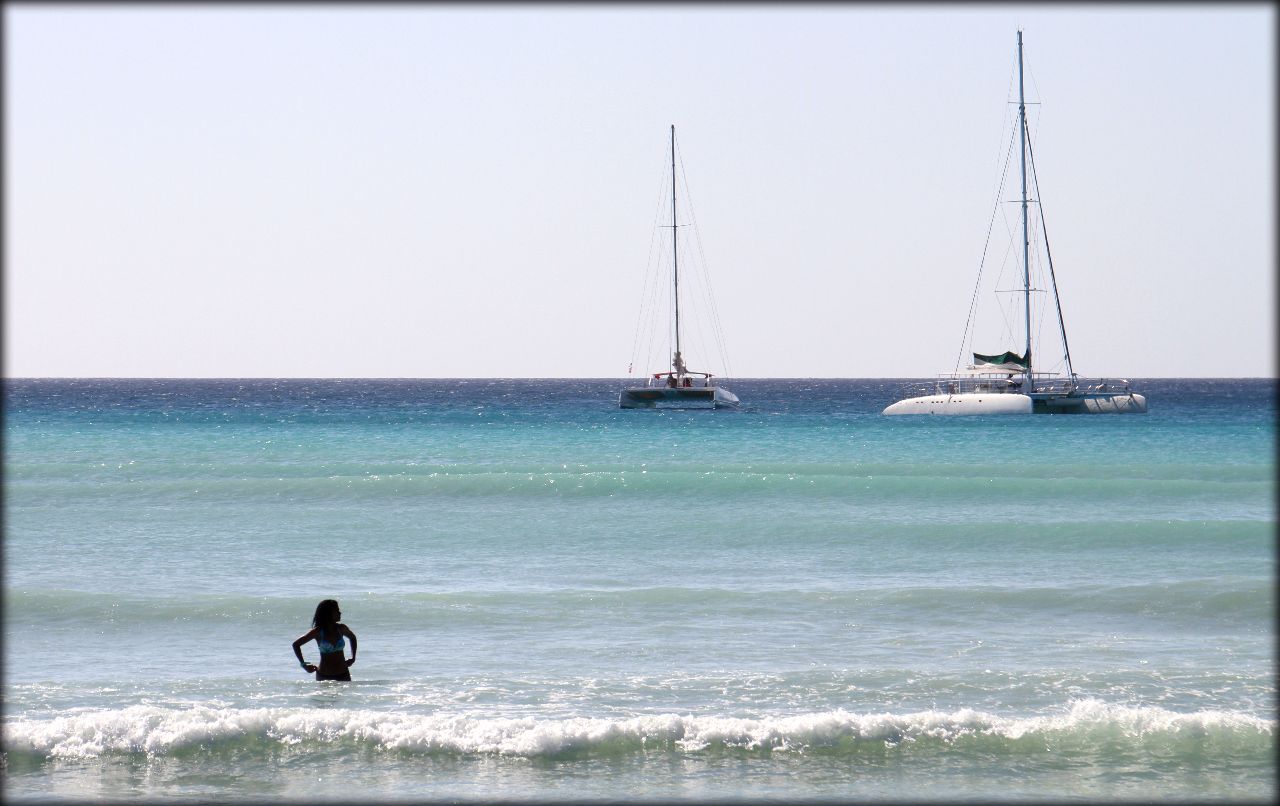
558 378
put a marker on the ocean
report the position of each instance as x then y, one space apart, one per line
555 598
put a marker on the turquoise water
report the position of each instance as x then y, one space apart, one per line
557 598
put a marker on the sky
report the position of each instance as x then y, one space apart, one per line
443 191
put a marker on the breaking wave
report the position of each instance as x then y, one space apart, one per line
1086 727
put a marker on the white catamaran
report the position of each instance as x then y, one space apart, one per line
1005 383
678 387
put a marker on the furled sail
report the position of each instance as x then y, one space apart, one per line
678 364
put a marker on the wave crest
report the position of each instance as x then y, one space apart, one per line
1087 725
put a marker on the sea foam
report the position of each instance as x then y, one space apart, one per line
1085 724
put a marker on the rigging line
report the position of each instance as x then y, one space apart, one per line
708 290
714 321
647 307
986 244
1038 303
700 331
717 330
1041 308
1006 335
1012 237
649 327
1039 115
701 303
705 267
1032 73
692 320
1010 117
654 357
1053 278
649 273
654 307
1009 112
701 318
656 292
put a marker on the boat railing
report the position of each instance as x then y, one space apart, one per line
1005 383
916 389
1101 386
690 380
956 384
1001 383
1080 387
1055 384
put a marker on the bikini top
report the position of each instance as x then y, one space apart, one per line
327 648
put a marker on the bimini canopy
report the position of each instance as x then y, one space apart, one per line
1008 361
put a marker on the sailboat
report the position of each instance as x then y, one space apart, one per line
1007 382
678 386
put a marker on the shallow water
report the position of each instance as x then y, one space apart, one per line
558 598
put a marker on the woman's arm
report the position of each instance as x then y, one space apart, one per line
347 631
297 649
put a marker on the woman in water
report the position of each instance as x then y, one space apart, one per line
328 632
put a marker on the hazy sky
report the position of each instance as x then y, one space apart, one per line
468 191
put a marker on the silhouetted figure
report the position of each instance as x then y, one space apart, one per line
328 633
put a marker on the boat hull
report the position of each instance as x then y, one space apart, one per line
971 403
968 403
1121 403
701 397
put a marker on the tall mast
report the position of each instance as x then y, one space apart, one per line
677 361
1026 241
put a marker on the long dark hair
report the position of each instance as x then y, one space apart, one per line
326 617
